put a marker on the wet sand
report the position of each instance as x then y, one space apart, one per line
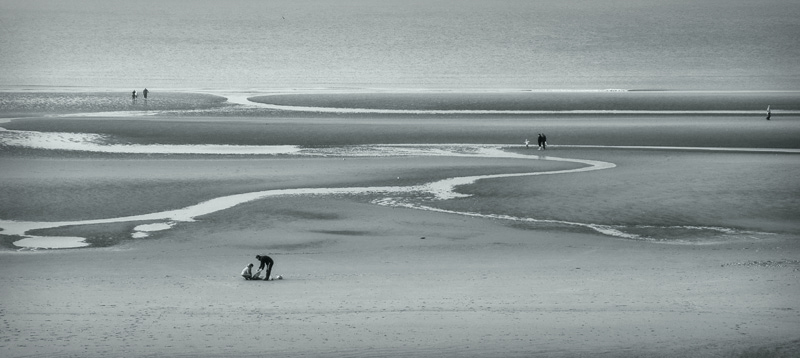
543 100
362 279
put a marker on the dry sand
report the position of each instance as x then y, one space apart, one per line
361 281
367 280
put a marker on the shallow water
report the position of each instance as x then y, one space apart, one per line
445 195
440 190
428 196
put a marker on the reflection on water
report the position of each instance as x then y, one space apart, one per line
440 190
419 197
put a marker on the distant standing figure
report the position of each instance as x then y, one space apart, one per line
544 141
527 143
539 141
144 93
133 95
769 113
247 273
267 262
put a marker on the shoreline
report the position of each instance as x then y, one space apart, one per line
465 179
316 130
493 274
442 189
421 101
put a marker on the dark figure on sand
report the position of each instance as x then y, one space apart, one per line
267 262
144 93
769 113
542 141
133 95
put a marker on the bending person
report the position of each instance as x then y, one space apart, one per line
267 262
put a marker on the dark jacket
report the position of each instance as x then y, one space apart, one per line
265 260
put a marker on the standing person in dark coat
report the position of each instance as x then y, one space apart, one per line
267 262
544 141
144 93
539 141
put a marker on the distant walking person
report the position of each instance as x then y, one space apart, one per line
133 95
769 113
527 143
539 141
267 262
544 141
144 93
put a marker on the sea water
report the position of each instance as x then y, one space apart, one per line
254 44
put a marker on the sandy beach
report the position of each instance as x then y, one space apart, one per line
708 265
149 150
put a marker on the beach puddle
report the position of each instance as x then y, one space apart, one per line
144 230
51 242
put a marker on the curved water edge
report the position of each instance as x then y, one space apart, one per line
263 101
393 196
250 100
438 190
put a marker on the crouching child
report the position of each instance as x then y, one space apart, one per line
247 273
